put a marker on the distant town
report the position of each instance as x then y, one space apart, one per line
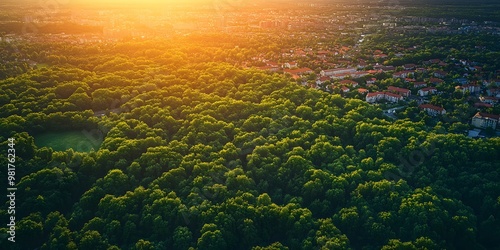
376 53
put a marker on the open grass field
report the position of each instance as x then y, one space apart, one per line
61 141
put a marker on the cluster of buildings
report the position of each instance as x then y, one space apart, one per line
336 78
324 65
378 96
342 73
392 94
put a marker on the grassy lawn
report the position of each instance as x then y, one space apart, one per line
42 65
61 141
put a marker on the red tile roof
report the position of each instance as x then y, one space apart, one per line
393 95
429 89
430 106
397 89
486 115
482 105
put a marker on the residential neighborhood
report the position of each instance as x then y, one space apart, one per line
384 59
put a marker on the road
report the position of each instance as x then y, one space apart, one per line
391 112
105 112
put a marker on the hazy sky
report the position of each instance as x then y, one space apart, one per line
138 3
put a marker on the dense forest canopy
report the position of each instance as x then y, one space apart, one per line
191 146
200 153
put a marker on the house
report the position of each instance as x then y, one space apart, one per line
493 92
472 88
434 61
400 91
297 73
494 83
362 91
427 91
461 81
482 105
419 85
374 97
393 97
421 70
359 74
341 76
377 96
432 110
269 68
371 80
380 56
435 80
290 65
485 120
362 64
322 79
345 89
272 64
336 72
388 68
403 74
300 52
442 64
312 85
384 68
440 73
349 83
322 54
373 71
489 100
409 66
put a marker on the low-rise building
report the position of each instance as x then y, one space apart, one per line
371 80
440 73
432 109
433 80
427 91
401 91
403 74
482 105
377 96
409 66
297 73
362 91
472 88
269 68
339 71
419 85
349 83
290 65
323 79
493 92
485 120
489 100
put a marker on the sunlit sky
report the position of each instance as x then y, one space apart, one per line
140 2
152 2
148 1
